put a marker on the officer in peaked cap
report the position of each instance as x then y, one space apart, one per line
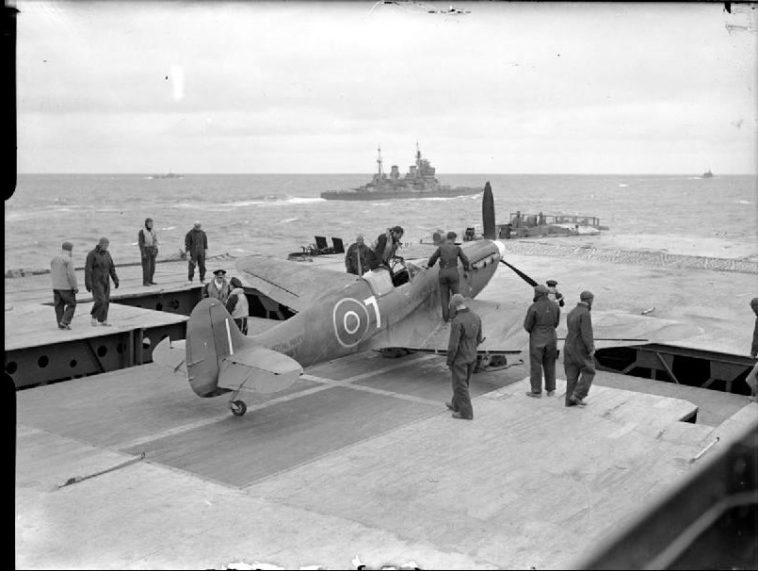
553 294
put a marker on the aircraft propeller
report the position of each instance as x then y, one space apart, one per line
521 274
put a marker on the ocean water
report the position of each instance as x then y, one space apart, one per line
278 213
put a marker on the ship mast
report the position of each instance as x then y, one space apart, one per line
379 160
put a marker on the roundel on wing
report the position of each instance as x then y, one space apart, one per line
351 321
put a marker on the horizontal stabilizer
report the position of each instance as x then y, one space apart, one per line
171 354
258 369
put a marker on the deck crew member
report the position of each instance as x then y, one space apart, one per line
237 304
448 253
579 351
357 257
65 286
196 245
553 294
147 239
541 321
465 336
99 269
752 377
386 246
218 287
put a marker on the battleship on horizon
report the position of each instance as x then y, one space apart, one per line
419 182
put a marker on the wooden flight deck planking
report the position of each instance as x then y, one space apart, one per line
523 470
34 325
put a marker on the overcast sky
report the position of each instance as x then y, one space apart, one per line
250 87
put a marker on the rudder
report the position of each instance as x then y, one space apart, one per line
211 336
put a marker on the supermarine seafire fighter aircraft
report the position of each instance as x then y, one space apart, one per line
338 314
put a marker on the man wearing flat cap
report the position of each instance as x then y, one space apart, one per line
579 351
65 286
218 287
465 337
541 321
196 246
99 269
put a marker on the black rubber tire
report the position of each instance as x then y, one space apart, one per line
238 408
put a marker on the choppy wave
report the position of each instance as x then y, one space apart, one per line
449 198
275 214
257 202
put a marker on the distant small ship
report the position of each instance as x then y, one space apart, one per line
419 182
167 175
707 174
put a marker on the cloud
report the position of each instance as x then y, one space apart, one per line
508 77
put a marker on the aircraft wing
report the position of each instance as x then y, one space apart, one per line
503 329
619 329
294 284
424 330
171 354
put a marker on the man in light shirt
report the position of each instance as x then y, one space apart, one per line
65 286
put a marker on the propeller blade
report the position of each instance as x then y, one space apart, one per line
521 274
488 213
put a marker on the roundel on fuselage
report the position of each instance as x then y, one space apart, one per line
351 321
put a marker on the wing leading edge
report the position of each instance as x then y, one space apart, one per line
425 331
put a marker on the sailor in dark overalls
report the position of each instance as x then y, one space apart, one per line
579 351
448 253
465 337
541 321
99 269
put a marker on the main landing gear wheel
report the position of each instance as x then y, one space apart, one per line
238 407
493 362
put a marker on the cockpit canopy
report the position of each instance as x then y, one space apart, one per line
383 281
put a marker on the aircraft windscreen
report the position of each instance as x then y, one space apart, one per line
413 269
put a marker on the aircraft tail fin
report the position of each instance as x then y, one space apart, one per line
219 355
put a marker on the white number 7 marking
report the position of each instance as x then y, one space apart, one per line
372 302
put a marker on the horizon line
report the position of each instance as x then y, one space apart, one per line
178 174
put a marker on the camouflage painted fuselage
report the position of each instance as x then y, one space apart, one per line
353 318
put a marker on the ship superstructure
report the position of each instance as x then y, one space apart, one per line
420 181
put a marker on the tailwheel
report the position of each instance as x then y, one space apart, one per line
238 407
